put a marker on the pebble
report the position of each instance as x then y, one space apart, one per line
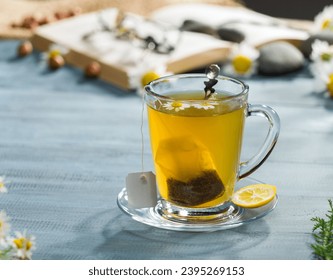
221 32
279 58
195 26
306 46
230 34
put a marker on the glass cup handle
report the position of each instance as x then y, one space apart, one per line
247 167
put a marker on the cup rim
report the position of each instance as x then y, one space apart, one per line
149 90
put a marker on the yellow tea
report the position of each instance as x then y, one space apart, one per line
196 149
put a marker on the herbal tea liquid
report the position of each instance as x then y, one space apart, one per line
196 153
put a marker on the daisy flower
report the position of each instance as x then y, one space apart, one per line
324 20
323 78
242 61
23 245
54 57
321 51
3 188
327 82
144 74
206 105
176 105
4 226
55 50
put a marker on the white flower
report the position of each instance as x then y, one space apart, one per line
23 245
55 50
323 77
324 20
144 74
176 105
321 52
242 61
4 226
327 82
206 105
54 57
322 57
5 249
3 188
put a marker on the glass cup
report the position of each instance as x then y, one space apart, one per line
196 145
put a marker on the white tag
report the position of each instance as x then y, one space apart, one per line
141 189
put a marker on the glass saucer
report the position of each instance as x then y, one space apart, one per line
151 216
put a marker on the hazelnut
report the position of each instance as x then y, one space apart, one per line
24 48
74 12
29 22
93 70
43 20
56 62
14 25
60 15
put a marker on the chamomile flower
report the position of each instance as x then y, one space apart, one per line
3 188
55 50
321 52
324 20
327 81
176 105
148 77
206 105
242 61
329 84
323 78
23 245
144 74
4 226
54 57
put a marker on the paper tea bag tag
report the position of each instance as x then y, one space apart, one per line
141 189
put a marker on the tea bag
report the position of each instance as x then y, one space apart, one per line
204 188
190 171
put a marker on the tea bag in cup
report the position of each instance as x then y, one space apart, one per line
189 171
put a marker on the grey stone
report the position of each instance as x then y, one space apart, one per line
279 58
195 26
306 46
222 32
230 34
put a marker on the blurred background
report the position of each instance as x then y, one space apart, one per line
296 9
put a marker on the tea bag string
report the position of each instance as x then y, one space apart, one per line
145 54
142 136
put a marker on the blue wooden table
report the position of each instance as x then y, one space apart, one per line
67 144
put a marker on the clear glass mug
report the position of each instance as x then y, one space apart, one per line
196 144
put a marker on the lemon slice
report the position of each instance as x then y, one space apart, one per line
254 195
